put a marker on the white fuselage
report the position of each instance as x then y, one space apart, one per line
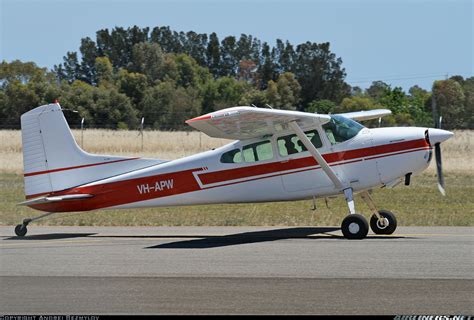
374 157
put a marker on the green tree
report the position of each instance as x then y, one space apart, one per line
377 90
284 93
168 106
254 97
223 93
228 63
418 101
132 84
319 73
23 86
89 53
102 106
267 68
148 59
321 106
213 55
104 71
450 99
190 74
70 69
468 114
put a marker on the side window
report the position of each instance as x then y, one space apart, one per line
291 144
258 151
232 156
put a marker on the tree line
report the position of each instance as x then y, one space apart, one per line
167 77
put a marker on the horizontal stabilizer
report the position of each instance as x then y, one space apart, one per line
68 197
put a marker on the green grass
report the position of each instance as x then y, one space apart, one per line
417 205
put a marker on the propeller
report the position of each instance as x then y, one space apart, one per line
439 169
436 136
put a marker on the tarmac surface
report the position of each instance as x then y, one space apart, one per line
235 270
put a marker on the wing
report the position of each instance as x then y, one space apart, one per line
246 122
366 115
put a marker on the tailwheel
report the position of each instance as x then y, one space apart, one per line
385 225
355 226
21 230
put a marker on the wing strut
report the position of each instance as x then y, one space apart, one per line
315 153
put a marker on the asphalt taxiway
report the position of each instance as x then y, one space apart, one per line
235 270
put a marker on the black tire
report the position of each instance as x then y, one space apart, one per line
378 229
21 230
355 226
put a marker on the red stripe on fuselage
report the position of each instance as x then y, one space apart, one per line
123 192
245 172
75 167
120 192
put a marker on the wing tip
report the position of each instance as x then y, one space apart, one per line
204 117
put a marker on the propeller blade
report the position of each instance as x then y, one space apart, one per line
439 169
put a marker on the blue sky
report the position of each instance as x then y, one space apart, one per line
401 42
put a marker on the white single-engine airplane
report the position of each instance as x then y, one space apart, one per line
278 156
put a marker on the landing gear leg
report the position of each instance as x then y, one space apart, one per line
354 226
381 222
21 229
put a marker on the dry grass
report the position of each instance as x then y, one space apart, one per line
410 204
163 145
458 152
420 204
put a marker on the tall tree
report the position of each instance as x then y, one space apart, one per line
377 90
267 69
70 70
229 62
319 73
213 55
450 102
89 53
148 59
195 45
285 92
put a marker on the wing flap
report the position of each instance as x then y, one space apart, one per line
246 122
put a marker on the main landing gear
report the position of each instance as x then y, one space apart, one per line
21 229
355 226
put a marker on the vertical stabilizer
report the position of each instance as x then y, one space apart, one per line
53 161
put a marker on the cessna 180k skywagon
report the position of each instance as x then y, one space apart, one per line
278 155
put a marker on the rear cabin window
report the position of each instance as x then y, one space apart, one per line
232 156
258 151
291 144
254 152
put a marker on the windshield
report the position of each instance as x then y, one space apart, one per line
340 129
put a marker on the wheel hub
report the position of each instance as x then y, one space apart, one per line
354 228
382 223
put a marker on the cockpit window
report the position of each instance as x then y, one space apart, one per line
340 129
232 156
